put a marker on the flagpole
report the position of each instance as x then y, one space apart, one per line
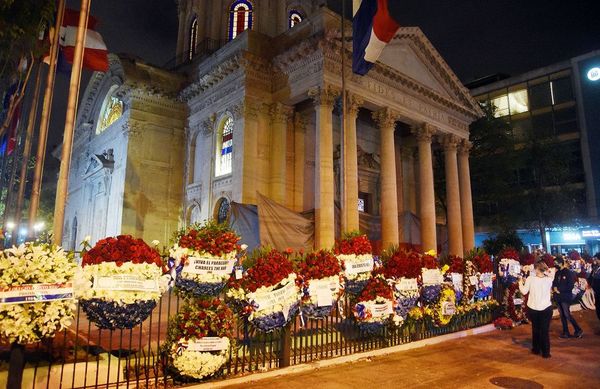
343 186
34 202
27 147
65 158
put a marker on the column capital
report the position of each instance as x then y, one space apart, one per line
280 113
207 126
385 118
450 142
353 103
323 95
464 146
424 133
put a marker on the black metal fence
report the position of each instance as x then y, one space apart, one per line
84 356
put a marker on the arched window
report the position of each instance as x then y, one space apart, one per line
193 38
112 109
295 18
240 17
223 163
222 210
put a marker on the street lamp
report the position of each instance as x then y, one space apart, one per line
38 226
10 226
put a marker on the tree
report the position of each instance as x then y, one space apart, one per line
498 242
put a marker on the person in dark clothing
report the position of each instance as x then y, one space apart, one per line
564 280
594 282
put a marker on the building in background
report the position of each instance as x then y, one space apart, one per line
560 100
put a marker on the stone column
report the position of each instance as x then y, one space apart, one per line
466 201
249 111
299 161
324 98
350 212
389 197
453 216
263 152
426 192
279 114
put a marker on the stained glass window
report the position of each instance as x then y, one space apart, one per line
112 109
193 37
240 18
225 148
295 18
223 210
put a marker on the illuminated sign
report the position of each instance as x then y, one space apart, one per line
571 236
594 74
590 233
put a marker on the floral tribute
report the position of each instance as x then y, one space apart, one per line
199 338
485 273
527 261
402 270
354 252
267 292
374 308
455 274
445 308
36 292
202 258
548 259
509 267
320 279
121 282
431 278
514 304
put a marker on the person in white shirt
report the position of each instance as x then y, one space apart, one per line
539 306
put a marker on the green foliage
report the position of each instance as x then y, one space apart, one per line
502 240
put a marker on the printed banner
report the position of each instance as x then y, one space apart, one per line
474 281
457 281
325 291
126 282
205 265
379 309
486 280
432 277
209 343
359 266
448 308
407 284
266 300
514 269
517 301
34 293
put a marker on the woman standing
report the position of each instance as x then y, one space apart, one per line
539 287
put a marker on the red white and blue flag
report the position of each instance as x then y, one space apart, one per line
95 56
372 28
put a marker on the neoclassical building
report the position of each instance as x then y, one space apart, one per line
259 113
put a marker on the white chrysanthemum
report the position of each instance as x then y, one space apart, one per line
198 364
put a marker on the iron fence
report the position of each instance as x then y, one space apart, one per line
84 356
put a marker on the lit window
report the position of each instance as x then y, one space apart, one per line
295 18
361 205
224 148
240 18
111 111
511 104
223 210
193 37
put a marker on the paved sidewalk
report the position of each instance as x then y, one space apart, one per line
491 360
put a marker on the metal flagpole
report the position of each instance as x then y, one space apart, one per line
65 158
40 156
343 186
27 147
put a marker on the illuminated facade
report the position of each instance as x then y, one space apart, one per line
560 101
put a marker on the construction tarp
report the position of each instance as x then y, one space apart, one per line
283 228
244 221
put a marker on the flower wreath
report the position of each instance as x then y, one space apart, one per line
445 308
199 338
267 293
509 257
36 292
430 291
354 252
402 270
120 282
455 274
374 306
515 312
320 280
482 262
202 258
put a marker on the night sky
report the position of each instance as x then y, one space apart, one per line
476 37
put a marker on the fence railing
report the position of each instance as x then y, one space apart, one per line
84 356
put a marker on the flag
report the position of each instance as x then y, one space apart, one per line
372 28
95 56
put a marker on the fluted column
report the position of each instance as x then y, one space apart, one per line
299 160
427 194
279 114
350 212
386 119
324 189
466 200
453 213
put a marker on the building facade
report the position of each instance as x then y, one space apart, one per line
262 103
560 101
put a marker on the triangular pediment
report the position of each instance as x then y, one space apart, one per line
412 54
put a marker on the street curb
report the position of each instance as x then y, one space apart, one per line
305 367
